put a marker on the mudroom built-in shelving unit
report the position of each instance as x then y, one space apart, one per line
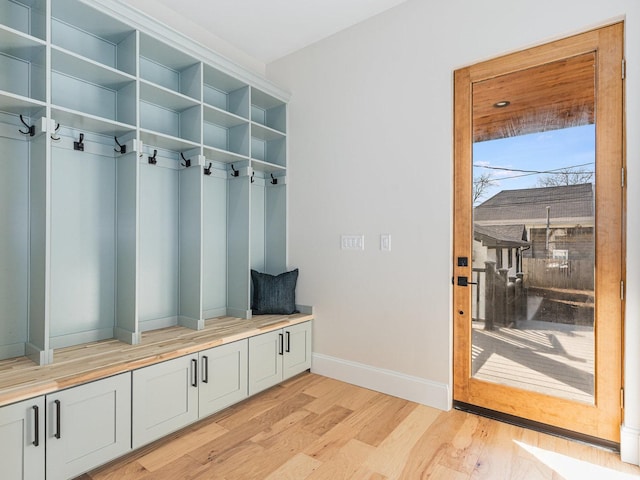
142 178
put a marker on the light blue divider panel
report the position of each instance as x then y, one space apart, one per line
38 348
14 240
258 225
27 16
158 247
238 279
214 265
82 242
126 218
276 228
191 247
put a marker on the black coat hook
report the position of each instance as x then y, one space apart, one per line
79 145
56 131
274 181
253 175
31 129
207 170
234 172
122 149
152 160
187 162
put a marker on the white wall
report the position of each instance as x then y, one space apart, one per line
197 33
371 152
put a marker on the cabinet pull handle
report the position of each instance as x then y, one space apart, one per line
281 341
36 419
288 342
205 369
194 372
57 435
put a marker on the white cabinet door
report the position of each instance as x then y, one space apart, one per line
265 360
297 349
223 377
165 398
87 426
22 440
278 355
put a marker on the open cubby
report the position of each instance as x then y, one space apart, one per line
268 225
22 66
83 30
225 92
214 240
14 241
170 68
26 16
90 88
268 146
163 112
169 257
227 136
268 111
84 305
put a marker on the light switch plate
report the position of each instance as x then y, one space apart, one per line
385 242
352 242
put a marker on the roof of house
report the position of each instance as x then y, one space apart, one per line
501 235
531 203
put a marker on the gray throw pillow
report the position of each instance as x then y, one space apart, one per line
274 295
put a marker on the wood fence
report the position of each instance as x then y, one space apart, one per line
551 273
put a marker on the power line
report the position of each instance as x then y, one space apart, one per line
534 172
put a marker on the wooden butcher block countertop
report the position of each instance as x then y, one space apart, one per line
20 378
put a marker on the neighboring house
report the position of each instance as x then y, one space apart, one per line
558 224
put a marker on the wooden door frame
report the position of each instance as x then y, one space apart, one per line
603 419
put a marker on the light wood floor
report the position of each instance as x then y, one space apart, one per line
312 427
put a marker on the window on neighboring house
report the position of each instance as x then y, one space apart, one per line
498 258
510 257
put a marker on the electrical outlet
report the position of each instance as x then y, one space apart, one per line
352 242
385 242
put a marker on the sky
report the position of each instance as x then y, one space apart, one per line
543 151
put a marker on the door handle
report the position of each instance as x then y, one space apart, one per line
205 369
57 434
36 420
194 372
464 282
281 344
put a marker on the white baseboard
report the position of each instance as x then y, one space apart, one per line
415 389
630 445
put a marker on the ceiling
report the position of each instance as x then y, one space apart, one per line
551 96
270 29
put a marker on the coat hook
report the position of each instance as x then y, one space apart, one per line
79 145
234 172
31 129
56 138
274 181
152 160
187 162
252 175
122 149
207 170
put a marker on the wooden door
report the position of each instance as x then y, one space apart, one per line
22 440
577 81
